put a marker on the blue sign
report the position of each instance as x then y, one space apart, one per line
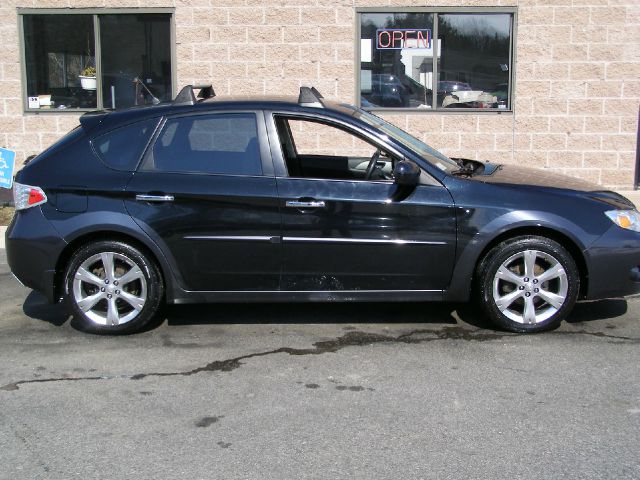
7 162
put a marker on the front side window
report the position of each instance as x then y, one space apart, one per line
435 60
315 149
87 61
208 144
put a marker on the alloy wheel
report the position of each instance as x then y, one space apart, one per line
110 288
530 286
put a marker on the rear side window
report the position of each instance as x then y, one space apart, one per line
121 148
213 144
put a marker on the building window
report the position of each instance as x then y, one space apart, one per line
82 60
436 59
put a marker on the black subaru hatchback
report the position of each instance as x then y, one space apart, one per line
284 199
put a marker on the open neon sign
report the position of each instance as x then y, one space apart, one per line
398 38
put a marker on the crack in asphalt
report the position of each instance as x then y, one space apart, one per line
628 340
350 339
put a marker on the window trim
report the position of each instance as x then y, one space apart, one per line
95 12
435 11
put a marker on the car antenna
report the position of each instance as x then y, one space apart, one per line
310 97
188 97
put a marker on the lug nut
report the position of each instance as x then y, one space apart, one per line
115 282
117 292
527 294
535 280
521 287
526 279
102 289
536 290
107 281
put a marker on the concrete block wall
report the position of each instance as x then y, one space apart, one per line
577 90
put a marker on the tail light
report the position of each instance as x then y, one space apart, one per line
27 196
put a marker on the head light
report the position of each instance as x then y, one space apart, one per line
627 219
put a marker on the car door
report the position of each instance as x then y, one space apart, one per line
341 231
206 193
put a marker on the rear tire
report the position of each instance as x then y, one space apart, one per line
527 284
112 288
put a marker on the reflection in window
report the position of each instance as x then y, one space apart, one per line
121 148
474 65
65 64
468 65
214 144
397 60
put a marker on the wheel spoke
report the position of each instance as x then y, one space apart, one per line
89 302
552 299
108 264
134 274
113 318
85 275
530 263
508 276
504 302
529 314
136 302
554 272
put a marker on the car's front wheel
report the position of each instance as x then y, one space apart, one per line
527 284
112 288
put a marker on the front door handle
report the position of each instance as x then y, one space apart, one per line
307 204
154 198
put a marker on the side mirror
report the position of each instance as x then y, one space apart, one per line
406 173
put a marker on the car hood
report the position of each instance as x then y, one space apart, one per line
532 177
514 175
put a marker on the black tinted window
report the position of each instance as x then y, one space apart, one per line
121 148
222 144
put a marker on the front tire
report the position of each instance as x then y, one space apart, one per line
112 288
527 284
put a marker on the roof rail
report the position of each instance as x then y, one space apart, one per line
188 97
310 97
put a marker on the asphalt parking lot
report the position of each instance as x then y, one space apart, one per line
389 391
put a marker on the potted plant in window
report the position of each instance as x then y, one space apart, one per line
88 78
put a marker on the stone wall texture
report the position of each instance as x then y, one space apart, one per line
577 90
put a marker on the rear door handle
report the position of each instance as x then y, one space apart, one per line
308 204
154 198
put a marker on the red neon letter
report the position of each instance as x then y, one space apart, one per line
397 35
424 41
407 37
380 44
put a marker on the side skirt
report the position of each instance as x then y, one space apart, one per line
310 296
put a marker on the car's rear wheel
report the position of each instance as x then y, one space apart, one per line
527 284
112 288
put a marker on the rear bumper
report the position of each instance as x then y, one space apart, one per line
33 247
614 264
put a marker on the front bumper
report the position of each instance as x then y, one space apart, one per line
33 247
614 264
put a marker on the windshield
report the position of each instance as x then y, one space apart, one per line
430 154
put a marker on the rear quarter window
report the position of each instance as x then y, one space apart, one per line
121 148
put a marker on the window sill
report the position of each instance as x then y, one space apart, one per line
50 111
442 111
